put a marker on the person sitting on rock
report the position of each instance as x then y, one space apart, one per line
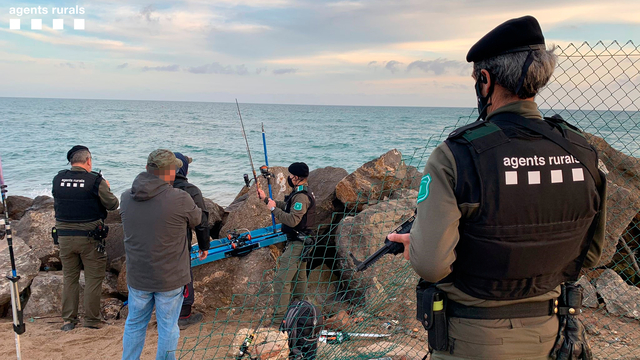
187 317
81 200
296 213
155 219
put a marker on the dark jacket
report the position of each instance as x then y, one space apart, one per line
155 218
202 230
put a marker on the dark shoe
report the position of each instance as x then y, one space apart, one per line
94 326
68 326
194 318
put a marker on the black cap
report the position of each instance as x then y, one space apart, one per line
299 169
515 35
74 150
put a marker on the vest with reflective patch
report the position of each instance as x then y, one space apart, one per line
537 213
308 220
76 198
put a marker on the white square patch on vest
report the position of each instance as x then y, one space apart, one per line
556 176
75 184
511 177
68 184
81 184
578 174
534 177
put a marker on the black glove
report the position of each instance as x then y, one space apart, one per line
571 343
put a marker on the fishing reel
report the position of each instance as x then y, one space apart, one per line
237 239
264 171
247 181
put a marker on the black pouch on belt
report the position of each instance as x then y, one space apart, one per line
54 235
432 313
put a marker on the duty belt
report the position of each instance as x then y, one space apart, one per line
62 232
513 311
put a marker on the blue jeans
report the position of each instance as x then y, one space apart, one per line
168 304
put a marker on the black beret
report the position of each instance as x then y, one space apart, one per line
299 169
515 35
74 150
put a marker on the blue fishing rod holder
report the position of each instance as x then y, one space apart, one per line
239 244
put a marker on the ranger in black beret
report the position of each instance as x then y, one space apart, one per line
490 195
297 216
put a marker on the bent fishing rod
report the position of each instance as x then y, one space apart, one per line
16 305
255 177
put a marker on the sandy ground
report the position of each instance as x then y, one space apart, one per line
610 338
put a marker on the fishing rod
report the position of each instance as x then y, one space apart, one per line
265 172
16 305
255 178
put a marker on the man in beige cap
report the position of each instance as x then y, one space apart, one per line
155 218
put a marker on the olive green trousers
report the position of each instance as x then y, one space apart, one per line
292 273
77 252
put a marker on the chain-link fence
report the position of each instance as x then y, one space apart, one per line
370 314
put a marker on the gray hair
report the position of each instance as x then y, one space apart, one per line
506 70
80 157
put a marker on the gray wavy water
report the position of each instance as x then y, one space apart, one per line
37 133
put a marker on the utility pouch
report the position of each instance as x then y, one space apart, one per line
571 343
54 235
432 313
100 234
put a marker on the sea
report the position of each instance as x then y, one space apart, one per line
37 133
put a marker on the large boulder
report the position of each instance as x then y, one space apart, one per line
322 183
624 170
619 297
121 283
216 283
35 228
27 267
249 212
373 181
623 205
17 206
362 235
589 296
269 344
46 294
115 247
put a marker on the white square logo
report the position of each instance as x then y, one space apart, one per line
14 24
578 174
78 24
556 176
511 177
58 24
75 184
534 177
81 184
36 24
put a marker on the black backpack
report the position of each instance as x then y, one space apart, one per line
302 323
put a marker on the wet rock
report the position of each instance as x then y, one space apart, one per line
251 213
27 267
17 206
216 283
269 344
362 235
322 183
622 206
619 297
373 181
110 308
41 202
35 229
589 296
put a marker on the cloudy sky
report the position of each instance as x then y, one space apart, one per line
393 52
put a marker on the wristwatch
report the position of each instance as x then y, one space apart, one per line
272 208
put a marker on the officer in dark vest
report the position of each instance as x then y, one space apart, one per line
509 208
81 200
296 213
187 316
